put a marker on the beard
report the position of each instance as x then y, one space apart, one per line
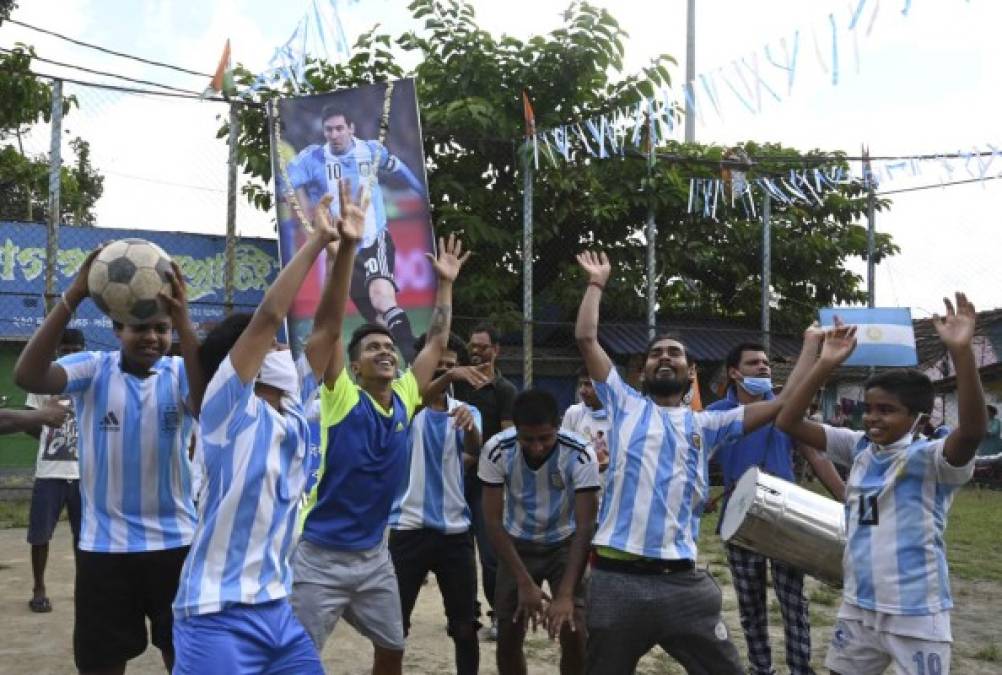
664 387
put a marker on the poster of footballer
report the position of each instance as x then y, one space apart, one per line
370 136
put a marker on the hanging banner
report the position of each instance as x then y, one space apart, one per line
372 136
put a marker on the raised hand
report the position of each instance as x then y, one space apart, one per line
463 418
840 342
956 329
176 303
450 258
324 225
472 375
79 289
352 222
596 266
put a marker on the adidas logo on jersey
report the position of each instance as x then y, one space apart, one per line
110 422
400 426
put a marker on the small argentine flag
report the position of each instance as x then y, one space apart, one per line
884 335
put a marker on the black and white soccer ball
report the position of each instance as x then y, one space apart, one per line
126 279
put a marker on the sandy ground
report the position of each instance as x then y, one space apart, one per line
40 644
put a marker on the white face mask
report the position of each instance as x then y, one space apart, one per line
756 386
278 370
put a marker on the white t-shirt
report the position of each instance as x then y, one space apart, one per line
57 446
592 424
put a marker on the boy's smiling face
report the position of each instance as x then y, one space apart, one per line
885 418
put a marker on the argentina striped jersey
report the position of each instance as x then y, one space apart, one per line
657 480
539 503
431 494
255 475
135 479
897 500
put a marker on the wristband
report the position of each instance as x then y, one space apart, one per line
596 285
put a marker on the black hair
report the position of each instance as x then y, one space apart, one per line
456 344
666 336
992 409
363 331
733 359
72 337
219 341
331 110
492 332
117 325
535 406
912 387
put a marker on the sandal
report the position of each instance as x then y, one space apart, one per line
40 605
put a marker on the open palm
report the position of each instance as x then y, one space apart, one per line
596 266
450 258
956 329
839 343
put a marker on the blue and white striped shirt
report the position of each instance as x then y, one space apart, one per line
255 475
431 495
657 480
897 500
539 503
135 478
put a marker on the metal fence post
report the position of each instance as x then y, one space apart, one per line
55 167
527 271
766 267
651 234
229 271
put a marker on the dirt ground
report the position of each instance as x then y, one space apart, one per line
41 644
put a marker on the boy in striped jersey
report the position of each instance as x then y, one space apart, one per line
645 589
896 600
137 517
540 498
430 519
231 611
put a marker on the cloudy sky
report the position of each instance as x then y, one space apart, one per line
920 82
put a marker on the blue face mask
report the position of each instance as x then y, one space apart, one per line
756 386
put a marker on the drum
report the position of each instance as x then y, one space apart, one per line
785 522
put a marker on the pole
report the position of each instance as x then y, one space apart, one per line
651 234
527 270
229 271
690 70
55 166
871 233
766 267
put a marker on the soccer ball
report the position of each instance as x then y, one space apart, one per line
126 278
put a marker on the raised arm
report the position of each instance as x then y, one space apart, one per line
838 345
177 307
597 268
764 412
447 264
35 370
324 348
956 330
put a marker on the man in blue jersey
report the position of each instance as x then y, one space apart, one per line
896 597
771 450
645 589
231 611
430 519
316 170
540 498
341 566
132 408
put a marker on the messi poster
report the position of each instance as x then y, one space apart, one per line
370 136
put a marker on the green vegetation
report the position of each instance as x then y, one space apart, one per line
16 450
973 547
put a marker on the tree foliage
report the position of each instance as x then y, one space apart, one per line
24 179
470 86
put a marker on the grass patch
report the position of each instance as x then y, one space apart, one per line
14 514
990 653
973 547
824 595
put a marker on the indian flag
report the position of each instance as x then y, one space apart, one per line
884 335
222 80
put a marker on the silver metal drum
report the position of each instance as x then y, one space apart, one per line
783 521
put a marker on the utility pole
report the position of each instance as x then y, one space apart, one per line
766 267
55 168
527 268
871 231
652 235
690 71
229 270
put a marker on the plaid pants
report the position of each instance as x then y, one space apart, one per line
748 570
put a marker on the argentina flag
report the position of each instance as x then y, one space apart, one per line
884 335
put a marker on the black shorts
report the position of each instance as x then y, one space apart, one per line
372 262
48 497
115 594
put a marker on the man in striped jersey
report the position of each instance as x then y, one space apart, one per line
341 565
132 408
645 589
430 519
896 599
540 498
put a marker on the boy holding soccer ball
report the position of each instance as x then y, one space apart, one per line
896 601
132 408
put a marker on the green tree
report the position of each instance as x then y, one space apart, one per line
24 179
470 86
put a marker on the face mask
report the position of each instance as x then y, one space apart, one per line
756 386
279 371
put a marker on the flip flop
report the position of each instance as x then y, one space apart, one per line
40 605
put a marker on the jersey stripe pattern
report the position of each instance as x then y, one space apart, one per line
897 500
255 475
431 494
135 478
657 481
539 503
